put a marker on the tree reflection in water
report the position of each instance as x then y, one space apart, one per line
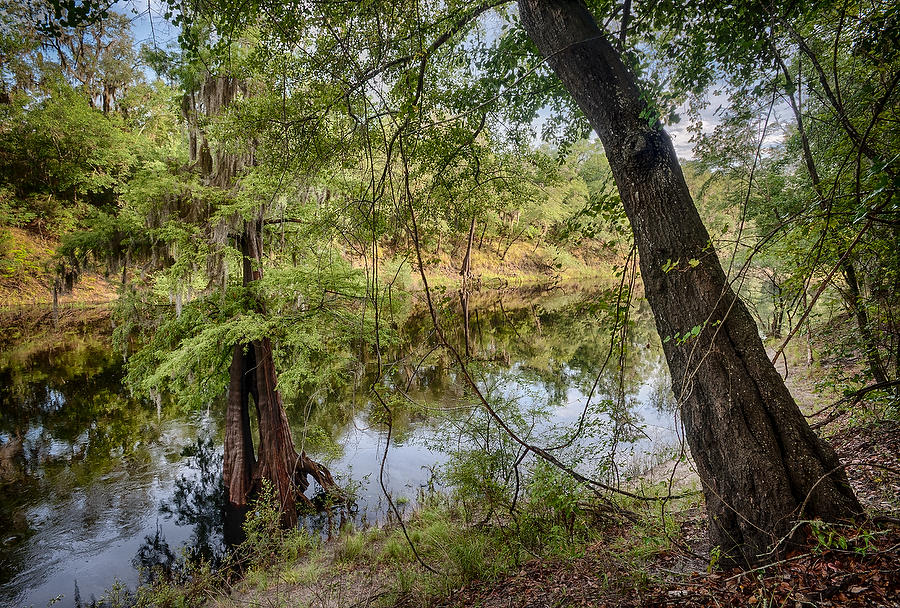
198 502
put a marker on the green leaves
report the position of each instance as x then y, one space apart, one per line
687 336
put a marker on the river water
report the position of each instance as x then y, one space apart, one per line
95 484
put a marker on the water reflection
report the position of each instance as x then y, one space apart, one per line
198 502
96 486
536 357
84 468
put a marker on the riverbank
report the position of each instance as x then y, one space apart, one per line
566 548
26 268
26 274
520 265
598 559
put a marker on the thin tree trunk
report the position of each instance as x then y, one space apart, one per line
466 269
873 358
55 303
511 241
809 350
777 309
464 306
855 304
125 269
761 466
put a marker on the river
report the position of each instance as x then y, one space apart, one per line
96 484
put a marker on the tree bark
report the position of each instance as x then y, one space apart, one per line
252 374
239 462
252 371
465 269
761 466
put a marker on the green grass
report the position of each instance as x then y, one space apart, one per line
455 550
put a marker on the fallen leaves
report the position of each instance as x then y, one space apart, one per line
861 568
829 578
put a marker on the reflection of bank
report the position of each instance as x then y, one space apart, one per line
109 462
82 472
11 456
539 352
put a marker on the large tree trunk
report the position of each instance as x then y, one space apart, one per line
277 455
761 466
252 374
252 371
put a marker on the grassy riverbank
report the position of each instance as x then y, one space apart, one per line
566 550
565 546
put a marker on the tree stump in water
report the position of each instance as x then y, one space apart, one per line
276 459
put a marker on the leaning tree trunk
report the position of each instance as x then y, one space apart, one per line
760 465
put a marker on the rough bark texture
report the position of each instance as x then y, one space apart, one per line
252 374
761 466
239 460
252 371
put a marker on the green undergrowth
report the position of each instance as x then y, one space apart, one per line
443 546
525 264
827 386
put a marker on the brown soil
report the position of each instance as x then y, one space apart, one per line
29 279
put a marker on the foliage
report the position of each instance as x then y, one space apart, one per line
373 141
821 201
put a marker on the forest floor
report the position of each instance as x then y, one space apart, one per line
854 565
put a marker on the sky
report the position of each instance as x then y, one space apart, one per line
149 24
151 27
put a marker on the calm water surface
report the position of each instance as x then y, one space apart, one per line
95 484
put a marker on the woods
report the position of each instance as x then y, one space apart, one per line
760 463
282 195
